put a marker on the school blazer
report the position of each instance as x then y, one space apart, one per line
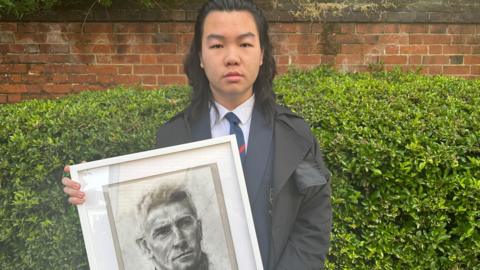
301 213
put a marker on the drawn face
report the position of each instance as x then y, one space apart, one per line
173 237
231 55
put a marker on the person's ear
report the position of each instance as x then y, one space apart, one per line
261 57
201 61
143 245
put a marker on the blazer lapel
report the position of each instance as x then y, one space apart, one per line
200 129
290 149
258 149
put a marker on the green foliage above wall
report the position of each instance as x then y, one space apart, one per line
404 151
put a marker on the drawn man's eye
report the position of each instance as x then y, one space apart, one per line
163 231
185 222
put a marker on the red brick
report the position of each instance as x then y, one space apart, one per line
348 39
351 48
349 59
34 88
373 49
98 28
282 59
103 59
169 59
127 79
54 48
152 69
60 78
126 59
415 39
30 38
57 88
283 28
3 98
413 28
456 70
170 69
476 49
415 49
370 28
414 59
435 69
172 79
81 78
102 69
14 98
307 59
134 28
148 59
79 58
391 28
328 59
10 27
183 27
282 69
438 28
149 80
371 59
127 39
472 59
15 78
303 38
16 48
458 39
12 88
435 49
26 27
6 37
32 79
457 49
346 28
461 29
435 60
124 69
437 39
101 48
168 48
392 49
393 39
475 70
105 79
371 39
472 39
394 59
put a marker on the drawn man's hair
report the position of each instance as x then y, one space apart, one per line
163 195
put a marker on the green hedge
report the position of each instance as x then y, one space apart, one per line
404 150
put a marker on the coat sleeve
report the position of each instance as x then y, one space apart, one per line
308 243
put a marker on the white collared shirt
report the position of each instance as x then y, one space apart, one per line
219 126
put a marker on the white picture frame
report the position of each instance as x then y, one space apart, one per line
116 189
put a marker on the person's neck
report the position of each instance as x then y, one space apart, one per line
231 104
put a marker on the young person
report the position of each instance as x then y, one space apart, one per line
230 68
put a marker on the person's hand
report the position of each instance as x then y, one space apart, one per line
72 189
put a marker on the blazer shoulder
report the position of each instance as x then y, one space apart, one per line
172 132
293 121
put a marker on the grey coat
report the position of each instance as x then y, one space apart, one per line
301 214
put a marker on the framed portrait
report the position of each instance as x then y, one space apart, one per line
180 207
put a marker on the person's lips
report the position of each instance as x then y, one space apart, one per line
184 256
233 76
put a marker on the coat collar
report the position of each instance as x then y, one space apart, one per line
290 149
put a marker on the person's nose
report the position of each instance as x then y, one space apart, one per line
232 57
178 238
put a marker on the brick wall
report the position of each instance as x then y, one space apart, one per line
52 59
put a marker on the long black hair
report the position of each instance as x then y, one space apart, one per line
262 87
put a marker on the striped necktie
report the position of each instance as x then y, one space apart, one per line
235 129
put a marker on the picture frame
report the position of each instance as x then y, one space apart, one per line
186 204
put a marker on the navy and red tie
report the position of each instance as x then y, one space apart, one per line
235 129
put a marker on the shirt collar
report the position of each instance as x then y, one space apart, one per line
242 111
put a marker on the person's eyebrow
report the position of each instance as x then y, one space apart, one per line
220 37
